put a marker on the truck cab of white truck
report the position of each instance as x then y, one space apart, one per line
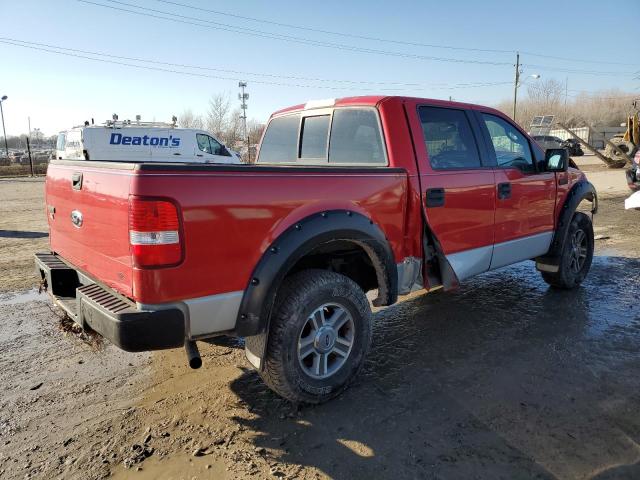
136 141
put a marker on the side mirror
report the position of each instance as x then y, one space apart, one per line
556 160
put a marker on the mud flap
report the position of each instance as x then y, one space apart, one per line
255 348
547 264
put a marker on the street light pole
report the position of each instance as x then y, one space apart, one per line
6 146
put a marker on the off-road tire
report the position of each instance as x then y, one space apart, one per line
300 295
624 145
566 277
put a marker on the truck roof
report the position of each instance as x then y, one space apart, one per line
371 100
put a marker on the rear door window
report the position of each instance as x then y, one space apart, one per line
356 137
280 142
449 139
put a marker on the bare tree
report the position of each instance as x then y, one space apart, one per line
218 115
189 120
547 94
605 108
255 130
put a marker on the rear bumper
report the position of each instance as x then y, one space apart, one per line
104 311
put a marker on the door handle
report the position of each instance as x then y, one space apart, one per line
76 180
504 191
435 197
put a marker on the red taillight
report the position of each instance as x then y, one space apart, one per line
154 233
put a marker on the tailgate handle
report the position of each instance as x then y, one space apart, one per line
435 197
76 180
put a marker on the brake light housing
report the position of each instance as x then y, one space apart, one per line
155 232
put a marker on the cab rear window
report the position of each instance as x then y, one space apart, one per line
280 141
344 136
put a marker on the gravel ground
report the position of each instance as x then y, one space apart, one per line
504 378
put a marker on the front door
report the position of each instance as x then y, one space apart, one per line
458 188
209 150
525 197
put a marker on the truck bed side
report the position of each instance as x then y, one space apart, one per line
231 216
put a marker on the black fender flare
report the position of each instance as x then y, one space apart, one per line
298 240
580 191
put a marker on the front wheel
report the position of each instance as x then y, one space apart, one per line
576 256
319 335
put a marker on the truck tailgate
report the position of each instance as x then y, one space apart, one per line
87 209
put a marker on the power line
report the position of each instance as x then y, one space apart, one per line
583 72
70 53
184 19
17 42
379 39
276 36
333 32
572 59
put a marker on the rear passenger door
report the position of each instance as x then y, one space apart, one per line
458 187
525 196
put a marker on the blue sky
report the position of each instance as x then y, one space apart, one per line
59 91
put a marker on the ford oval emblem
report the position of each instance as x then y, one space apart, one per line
76 218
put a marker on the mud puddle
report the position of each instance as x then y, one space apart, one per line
25 297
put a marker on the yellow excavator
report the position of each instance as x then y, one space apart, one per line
622 148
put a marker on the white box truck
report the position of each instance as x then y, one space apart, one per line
142 141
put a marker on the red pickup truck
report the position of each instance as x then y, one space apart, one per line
384 194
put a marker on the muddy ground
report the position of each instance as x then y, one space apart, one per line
504 378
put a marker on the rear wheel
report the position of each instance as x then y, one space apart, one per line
319 335
576 256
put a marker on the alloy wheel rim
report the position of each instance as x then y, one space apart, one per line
578 251
325 341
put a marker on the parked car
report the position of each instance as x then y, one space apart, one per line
573 146
549 141
384 194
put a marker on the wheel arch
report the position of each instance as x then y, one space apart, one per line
308 243
580 192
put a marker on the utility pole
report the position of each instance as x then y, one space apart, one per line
566 94
515 85
6 145
243 97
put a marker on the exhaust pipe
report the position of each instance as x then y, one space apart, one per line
193 355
